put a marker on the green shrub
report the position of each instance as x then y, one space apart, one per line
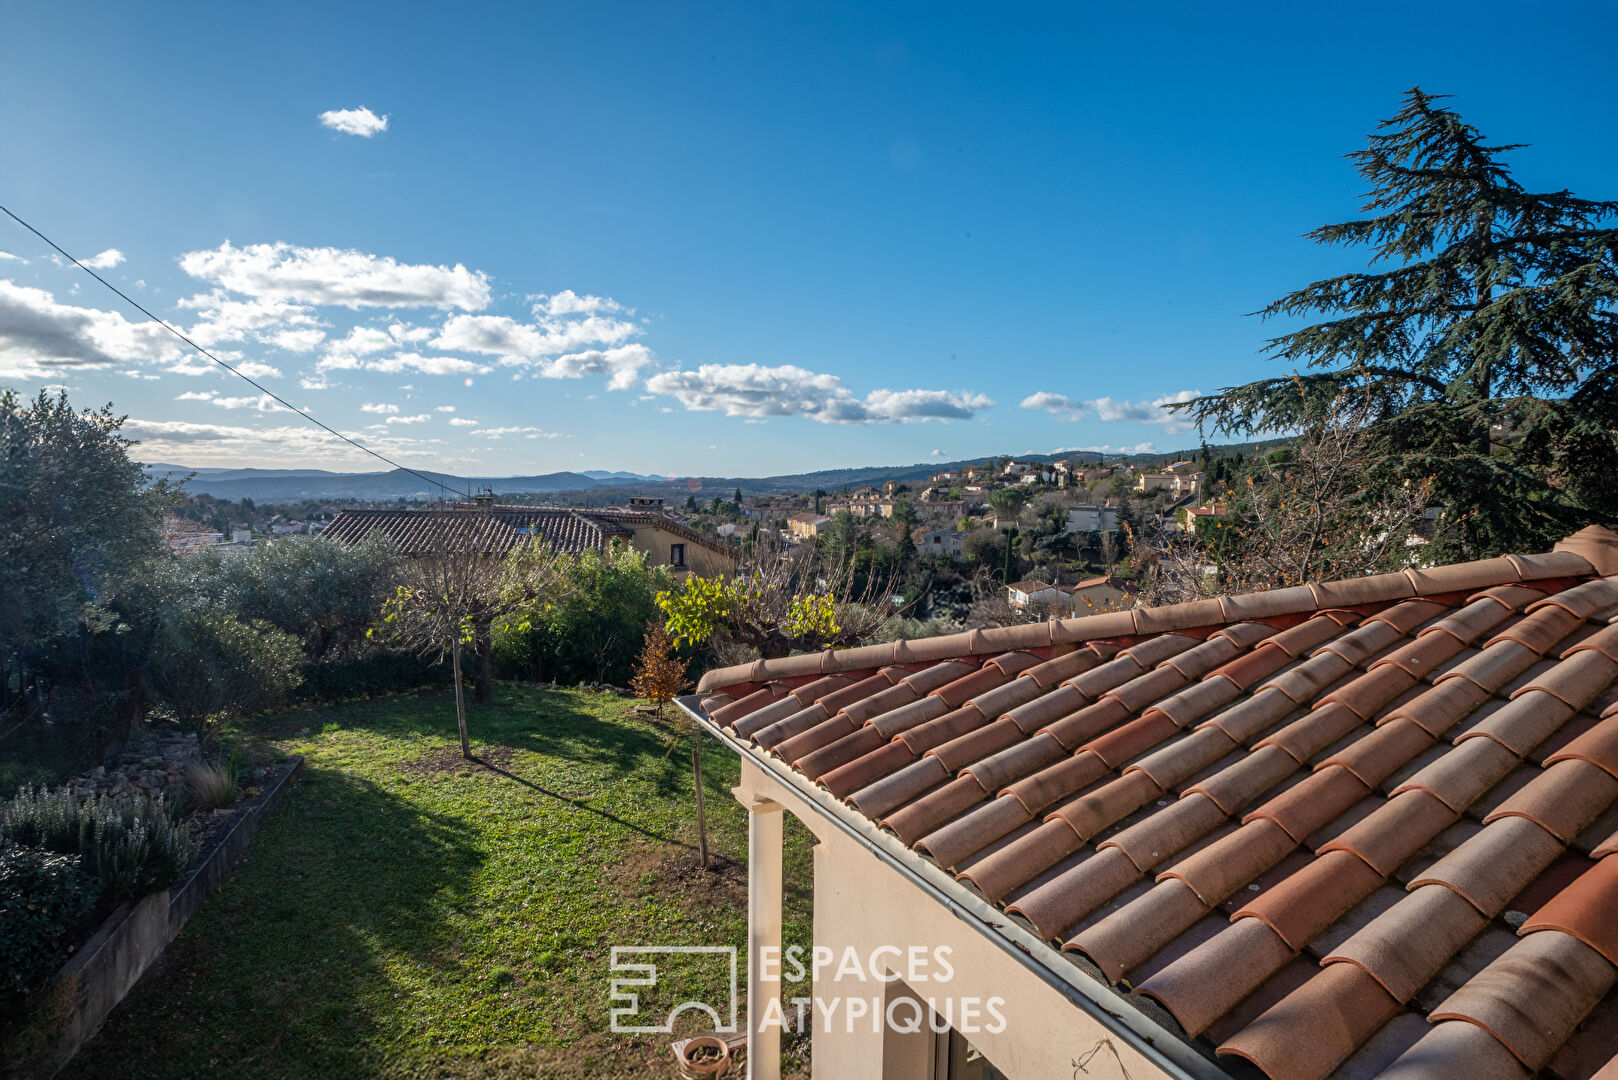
130 848
592 631
42 894
367 670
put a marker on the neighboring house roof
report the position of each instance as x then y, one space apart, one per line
1352 828
1105 579
809 519
1030 587
497 529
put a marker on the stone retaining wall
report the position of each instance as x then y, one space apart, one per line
98 976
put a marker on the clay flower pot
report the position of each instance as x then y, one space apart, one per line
705 1057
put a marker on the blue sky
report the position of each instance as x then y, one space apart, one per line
694 239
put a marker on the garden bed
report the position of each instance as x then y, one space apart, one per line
81 995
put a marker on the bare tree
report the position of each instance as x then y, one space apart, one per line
462 582
1301 515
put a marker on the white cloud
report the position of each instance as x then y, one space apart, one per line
255 370
37 334
261 402
526 432
378 408
757 391
461 421
935 453
1111 409
419 418
1138 448
318 382
623 364
362 341
4 255
336 277
104 261
298 341
225 318
427 365
443 408
568 302
290 446
361 121
500 335
195 395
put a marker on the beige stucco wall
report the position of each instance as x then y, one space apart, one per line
861 902
699 560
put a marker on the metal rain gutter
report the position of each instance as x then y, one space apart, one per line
1097 1000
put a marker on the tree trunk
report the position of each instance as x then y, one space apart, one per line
460 700
702 821
483 650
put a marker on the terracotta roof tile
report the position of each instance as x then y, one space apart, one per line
1282 781
1459 777
1314 1029
1598 745
1534 996
1129 935
1495 865
1562 799
1576 680
1300 907
1055 906
1204 984
1456 1051
874 800
1495 666
974 830
1395 831
1587 909
1219 870
1307 806
1409 943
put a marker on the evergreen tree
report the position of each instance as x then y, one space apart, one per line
1483 339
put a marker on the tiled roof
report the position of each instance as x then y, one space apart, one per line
496 531
1354 829
1031 586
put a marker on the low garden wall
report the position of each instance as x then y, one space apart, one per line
80 997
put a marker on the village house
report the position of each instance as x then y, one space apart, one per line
1352 829
664 541
1091 519
807 526
1105 593
948 542
1177 483
942 509
1022 593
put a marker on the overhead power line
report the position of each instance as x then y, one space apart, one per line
272 395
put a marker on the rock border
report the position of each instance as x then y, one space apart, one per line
92 983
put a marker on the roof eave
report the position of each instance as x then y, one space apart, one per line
1100 1002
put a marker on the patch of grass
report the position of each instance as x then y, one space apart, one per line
409 914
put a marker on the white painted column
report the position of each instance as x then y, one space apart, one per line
764 820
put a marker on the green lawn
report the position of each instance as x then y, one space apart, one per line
409 914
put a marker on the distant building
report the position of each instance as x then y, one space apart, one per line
1100 594
1091 519
1022 593
807 526
1178 483
948 542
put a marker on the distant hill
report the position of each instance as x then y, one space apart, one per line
592 486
